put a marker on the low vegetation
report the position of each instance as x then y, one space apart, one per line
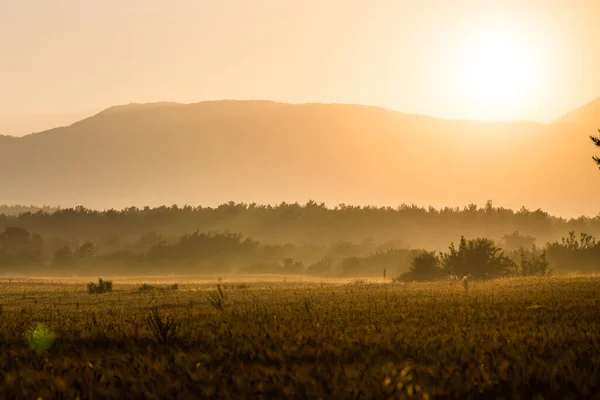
209 253
101 287
517 337
343 241
476 259
146 287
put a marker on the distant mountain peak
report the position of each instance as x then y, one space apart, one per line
588 114
263 151
138 107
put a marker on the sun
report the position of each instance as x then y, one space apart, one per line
496 72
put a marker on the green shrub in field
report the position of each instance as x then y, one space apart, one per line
39 337
102 287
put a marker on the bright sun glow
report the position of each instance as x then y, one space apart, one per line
497 72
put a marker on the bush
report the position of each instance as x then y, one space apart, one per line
102 287
515 241
533 262
583 254
217 299
164 329
146 287
19 248
424 267
63 256
293 267
350 266
322 267
479 258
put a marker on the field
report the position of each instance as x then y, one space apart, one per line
270 338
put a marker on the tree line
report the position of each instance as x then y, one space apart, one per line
225 253
307 224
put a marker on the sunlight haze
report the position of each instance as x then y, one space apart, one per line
309 199
65 60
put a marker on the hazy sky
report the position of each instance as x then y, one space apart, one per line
63 60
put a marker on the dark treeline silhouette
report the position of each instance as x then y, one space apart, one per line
19 209
228 253
582 254
308 224
479 258
197 253
291 239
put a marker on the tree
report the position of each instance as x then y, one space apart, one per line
63 256
596 140
583 254
19 247
533 262
85 251
479 258
424 267
323 267
291 266
514 241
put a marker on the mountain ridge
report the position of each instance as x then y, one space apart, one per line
576 116
157 106
266 152
588 114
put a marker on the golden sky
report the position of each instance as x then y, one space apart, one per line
63 60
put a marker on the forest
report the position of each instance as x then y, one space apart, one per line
407 242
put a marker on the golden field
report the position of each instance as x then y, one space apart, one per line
271 337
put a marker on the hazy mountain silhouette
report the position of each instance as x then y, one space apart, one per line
266 152
587 115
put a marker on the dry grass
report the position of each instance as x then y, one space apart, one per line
330 339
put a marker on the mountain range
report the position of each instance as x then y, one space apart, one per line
213 152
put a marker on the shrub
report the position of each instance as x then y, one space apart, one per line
424 267
18 247
291 266
350 266
479 258
323 267
146 287
63 256
164 329
514 241
102 287
217 299
584 253
533 262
